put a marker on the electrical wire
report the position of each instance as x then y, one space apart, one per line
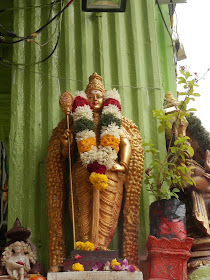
43 60
204 74
34 34
157 2
44 44
29 7
80 81
51 9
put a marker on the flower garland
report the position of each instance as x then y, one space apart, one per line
97 159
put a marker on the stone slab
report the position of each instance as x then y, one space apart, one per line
89 258
95 275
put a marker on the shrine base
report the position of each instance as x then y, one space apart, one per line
95 275
167 259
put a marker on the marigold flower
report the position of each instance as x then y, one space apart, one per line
85 145
111 141
79 245
77 267
114 263
99 181
88 246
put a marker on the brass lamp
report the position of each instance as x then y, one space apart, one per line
104 5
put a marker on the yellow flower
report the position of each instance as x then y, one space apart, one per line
114 262
111 141
79 245
88 246
77 267
85 144
99 181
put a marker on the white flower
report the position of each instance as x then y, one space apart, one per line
80 93
112 94
83 111
111 129
88 157
85 134
112 109
106 156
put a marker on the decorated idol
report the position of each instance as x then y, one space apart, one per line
106 163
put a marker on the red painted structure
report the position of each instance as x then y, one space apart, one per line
167 259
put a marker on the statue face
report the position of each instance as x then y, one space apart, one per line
95 97
17 247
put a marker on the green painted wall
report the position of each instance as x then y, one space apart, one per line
6 19
132 52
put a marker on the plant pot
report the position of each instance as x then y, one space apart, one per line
167 219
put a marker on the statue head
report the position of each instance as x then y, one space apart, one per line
17 247
95 91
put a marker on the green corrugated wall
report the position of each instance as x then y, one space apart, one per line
132 51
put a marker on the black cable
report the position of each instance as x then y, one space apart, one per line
51 9
59 34
14 35
6 62
30 7
163 19
40 29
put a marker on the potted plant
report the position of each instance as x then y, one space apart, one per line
165 177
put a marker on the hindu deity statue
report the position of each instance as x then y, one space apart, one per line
108 167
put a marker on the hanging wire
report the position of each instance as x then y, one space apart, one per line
51 9
34 34
164 19
29 7
81 81
204 74
46 58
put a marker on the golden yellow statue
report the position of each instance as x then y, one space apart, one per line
110 156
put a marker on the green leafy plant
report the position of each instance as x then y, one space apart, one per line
166 177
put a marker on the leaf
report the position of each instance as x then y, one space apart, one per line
176 190
190 150
182 156
175 195
187 75
161 128
182 93
192 109
182 80
196 94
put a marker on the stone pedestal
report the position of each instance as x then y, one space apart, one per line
96 275
89 258
167 259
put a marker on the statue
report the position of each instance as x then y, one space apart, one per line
109 156
17 258
19 246
197 196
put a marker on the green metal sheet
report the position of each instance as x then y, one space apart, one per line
133 53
